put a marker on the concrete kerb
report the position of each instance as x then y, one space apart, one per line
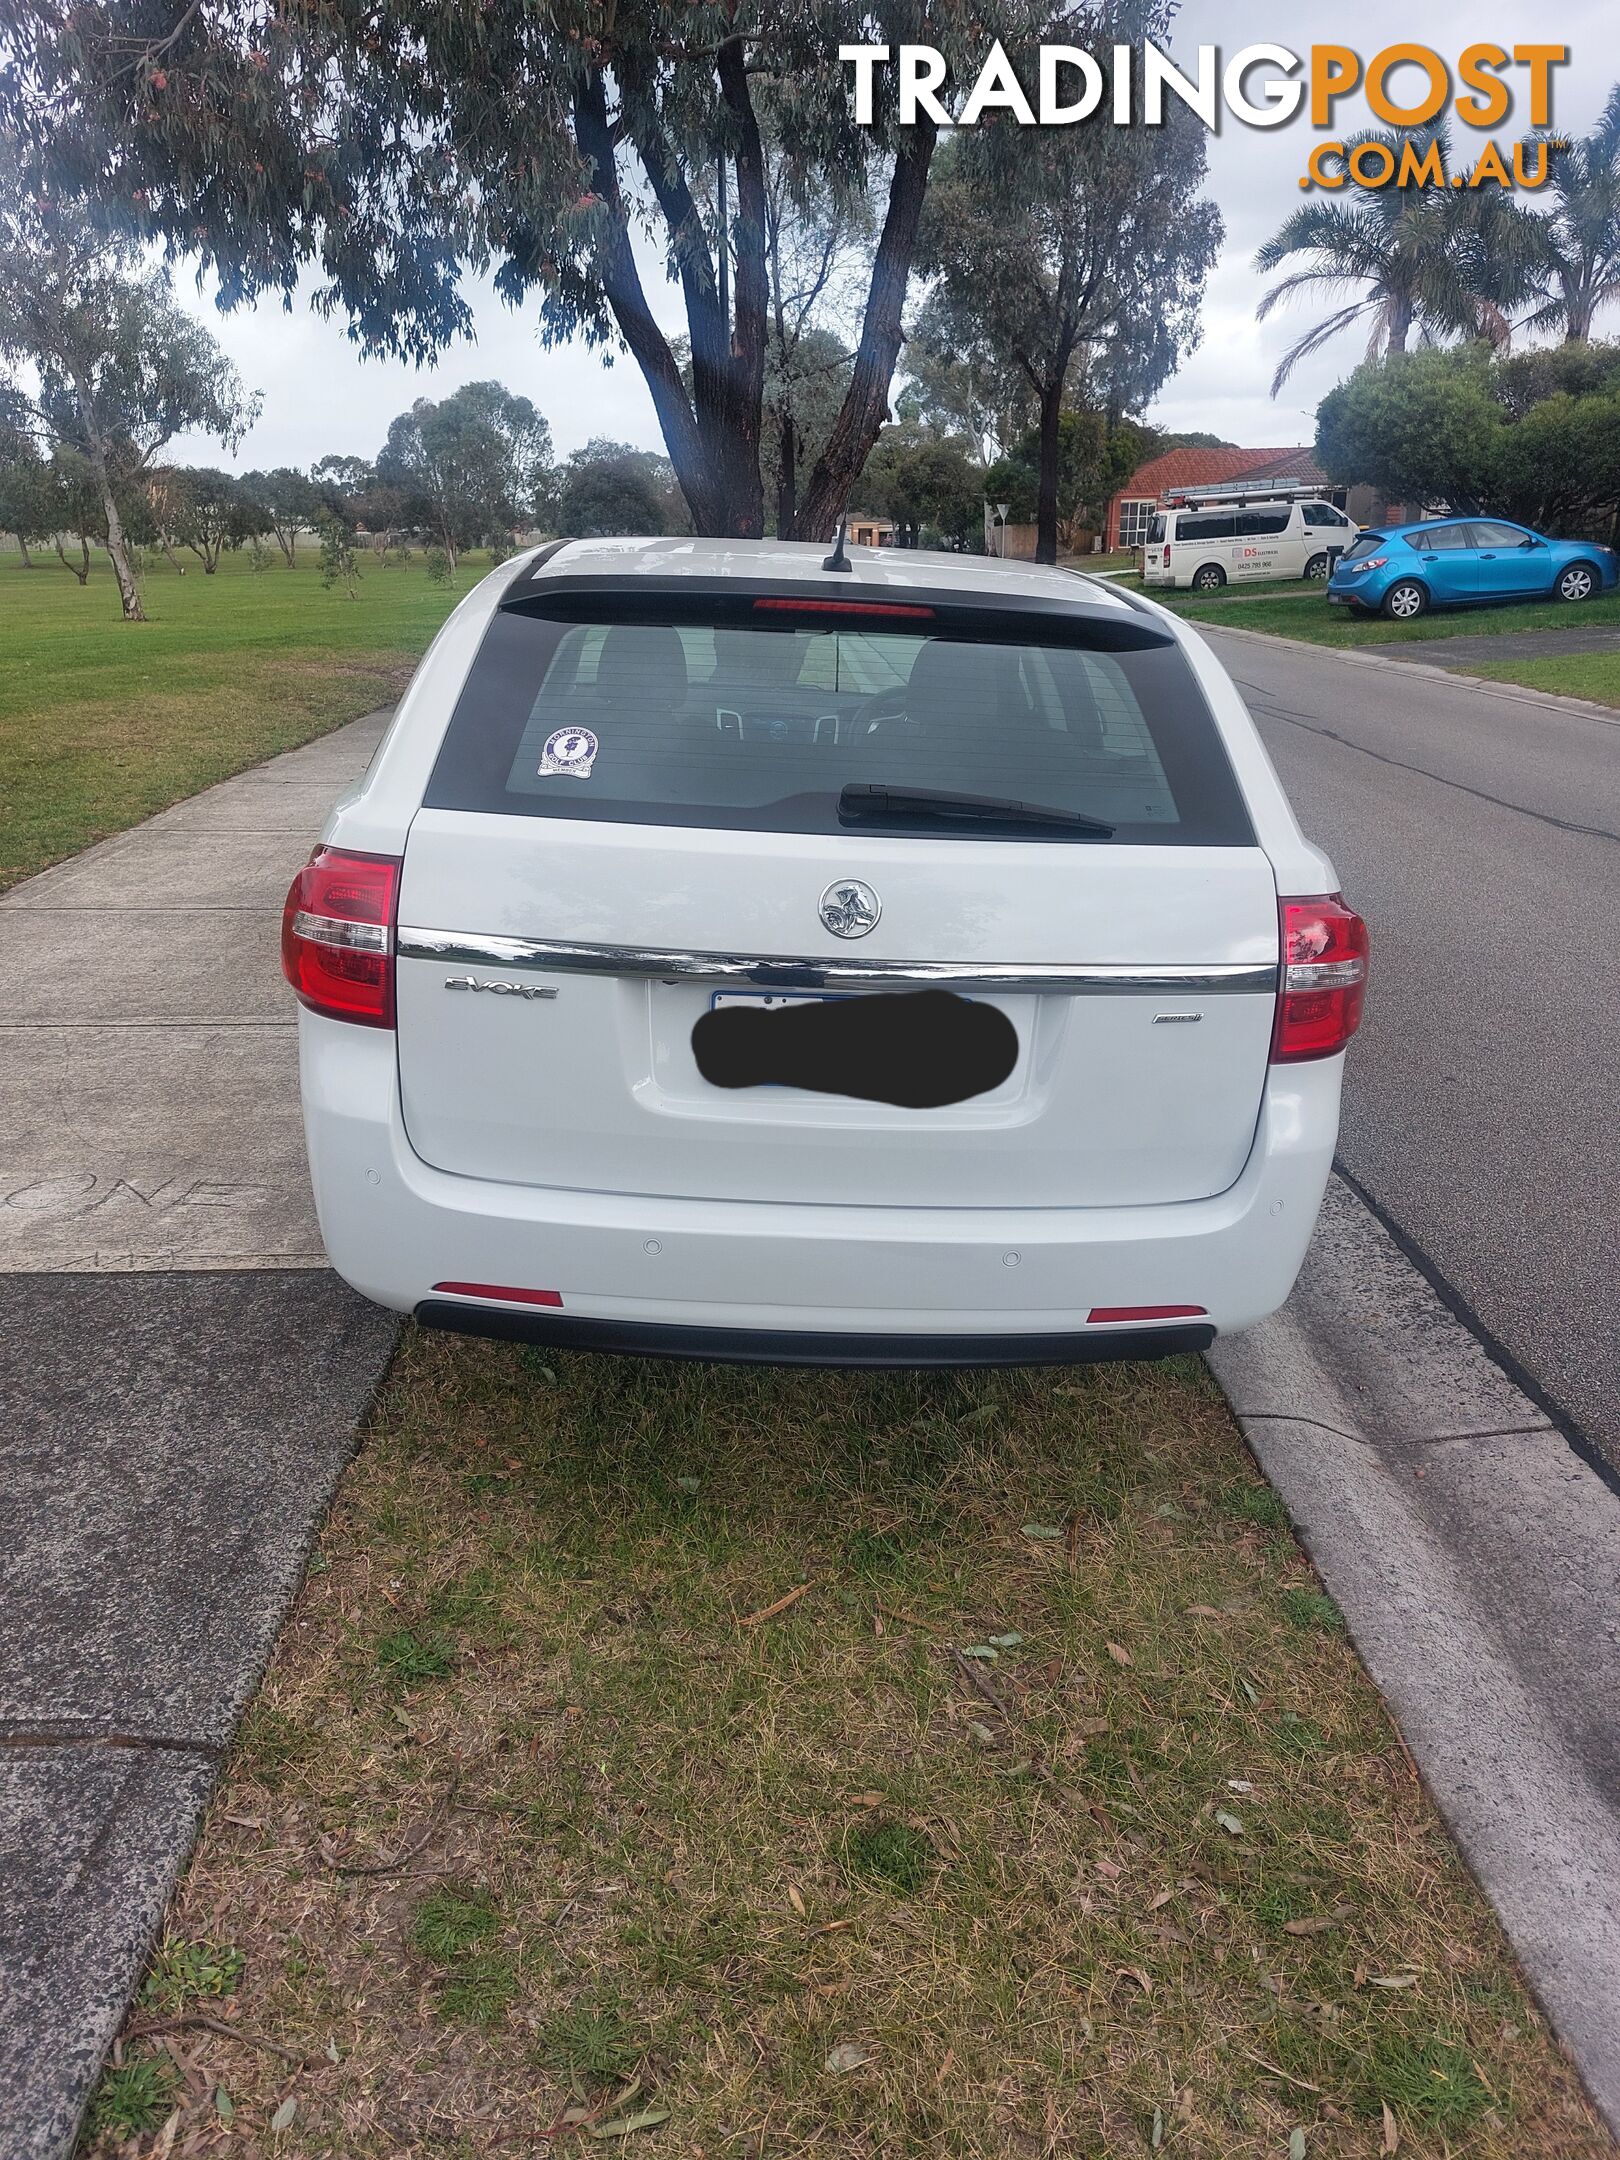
1476 1560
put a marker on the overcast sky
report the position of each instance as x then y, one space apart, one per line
321 396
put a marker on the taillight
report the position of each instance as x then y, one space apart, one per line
337 936
1324 978
1167 558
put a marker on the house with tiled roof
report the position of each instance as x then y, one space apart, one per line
1166 477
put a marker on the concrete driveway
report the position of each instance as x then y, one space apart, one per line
180 1380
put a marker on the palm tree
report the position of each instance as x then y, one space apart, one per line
1581 235
1441 262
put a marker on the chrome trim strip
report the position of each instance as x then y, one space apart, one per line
471 948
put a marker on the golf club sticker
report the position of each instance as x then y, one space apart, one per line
569 750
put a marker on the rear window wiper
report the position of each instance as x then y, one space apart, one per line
863 800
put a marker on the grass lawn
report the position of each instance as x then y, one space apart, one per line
1594 675
1293 589
104 722
1587 675
1326 624
729 1763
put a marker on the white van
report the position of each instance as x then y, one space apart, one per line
1207 545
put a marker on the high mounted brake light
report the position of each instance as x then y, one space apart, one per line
1324 978
842 607
337 936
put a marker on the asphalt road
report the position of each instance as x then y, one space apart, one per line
1479 833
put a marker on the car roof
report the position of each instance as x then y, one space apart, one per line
975 577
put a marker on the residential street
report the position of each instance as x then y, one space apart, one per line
1479 832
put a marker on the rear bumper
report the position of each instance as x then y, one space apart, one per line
864 1284
774 1346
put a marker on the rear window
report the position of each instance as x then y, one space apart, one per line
755 721
1368 544
1441 537
1156 530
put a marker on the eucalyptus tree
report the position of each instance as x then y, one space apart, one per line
1077 254
389 149
974 390
1406 259
120 369
73 506
24 483
289 500
212 511
818 226
467 467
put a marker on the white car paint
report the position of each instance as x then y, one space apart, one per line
563 1138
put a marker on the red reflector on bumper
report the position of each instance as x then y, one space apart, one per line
503 1291
1146 1312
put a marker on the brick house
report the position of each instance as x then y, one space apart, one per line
1151 487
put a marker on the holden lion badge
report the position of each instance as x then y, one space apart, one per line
850 909
570 750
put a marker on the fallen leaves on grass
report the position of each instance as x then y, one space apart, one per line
780 1605
624 2126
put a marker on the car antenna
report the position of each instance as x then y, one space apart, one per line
838 560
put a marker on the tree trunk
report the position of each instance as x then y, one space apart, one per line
866 401
787 488
1046 498
746 357
621 282
117 548
27 559
128 591
83 575
1400 321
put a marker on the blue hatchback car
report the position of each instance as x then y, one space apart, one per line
1405 570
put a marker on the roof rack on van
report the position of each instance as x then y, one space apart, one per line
1229 495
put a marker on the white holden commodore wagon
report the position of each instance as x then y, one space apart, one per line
740 952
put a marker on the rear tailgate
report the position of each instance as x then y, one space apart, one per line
555 957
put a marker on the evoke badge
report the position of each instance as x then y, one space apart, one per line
501 989
850 909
